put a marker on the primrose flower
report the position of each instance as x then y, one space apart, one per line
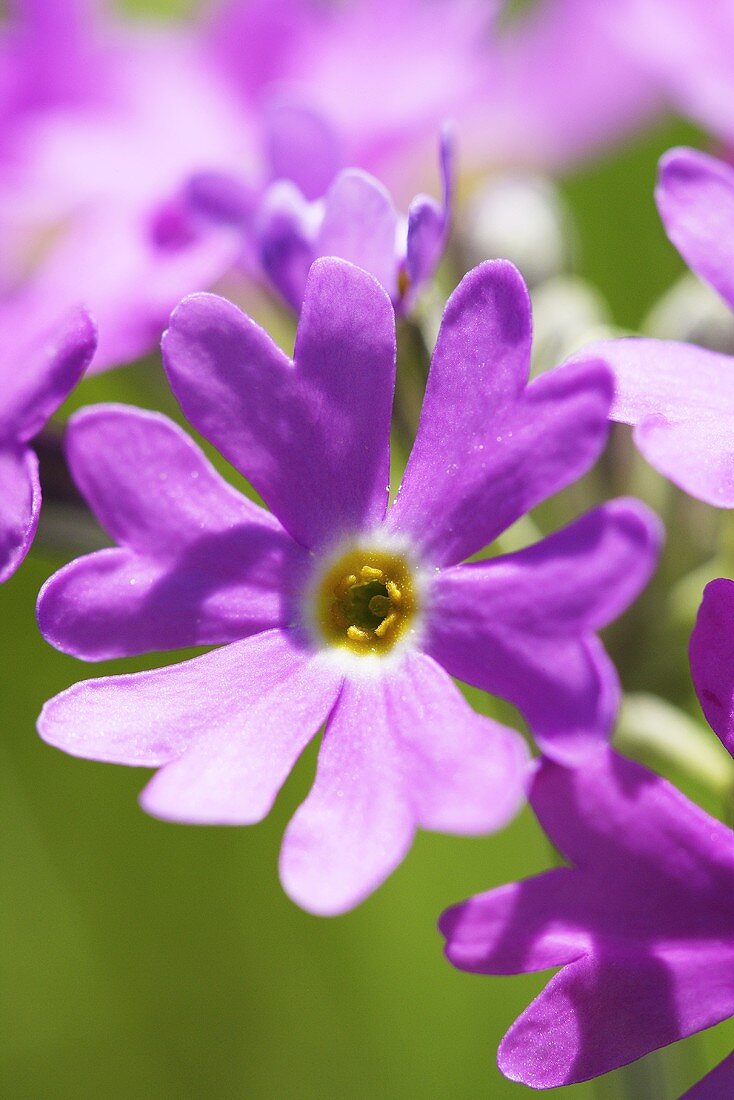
355 220
38 369
332 609
642 924
680 398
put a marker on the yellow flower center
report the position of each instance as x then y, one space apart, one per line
366 601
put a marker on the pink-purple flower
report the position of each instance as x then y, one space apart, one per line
331 608
680 398
641 922
355 220
39 366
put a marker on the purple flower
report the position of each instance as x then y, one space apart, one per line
642 922
335 609
355 220
680 398
103 122
38 369
384 74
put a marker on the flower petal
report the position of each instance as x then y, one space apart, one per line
681 400
131 264
165 493
517 928
39 370
302 146
286 232
20 506
149 719
230 775
428 220
695 197
573 582
588 812
566 688
565 1035
360 225
712 658
356 825
313 440
488 449
400 750
116 603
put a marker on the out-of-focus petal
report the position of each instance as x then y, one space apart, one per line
301 146
38 371
680 399
712 658
695 196
20 505
286 229
313 439
360 225
400 750
131 267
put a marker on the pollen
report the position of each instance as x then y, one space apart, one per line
366 601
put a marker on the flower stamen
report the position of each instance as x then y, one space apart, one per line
366 601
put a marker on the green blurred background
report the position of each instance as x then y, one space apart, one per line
141 959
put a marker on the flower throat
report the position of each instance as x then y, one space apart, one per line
366 601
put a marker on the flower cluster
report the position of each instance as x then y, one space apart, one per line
413 628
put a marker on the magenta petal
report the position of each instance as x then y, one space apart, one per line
716 1084
566 689
565 1035
521 626
428 220
199 563
574 582
356 825
313 440
695 196
488 449
231 774
131 265
302 146
20 505
286 230
400 751
360 225
681 400
712 658
150 718
164 493
536 910
38 372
